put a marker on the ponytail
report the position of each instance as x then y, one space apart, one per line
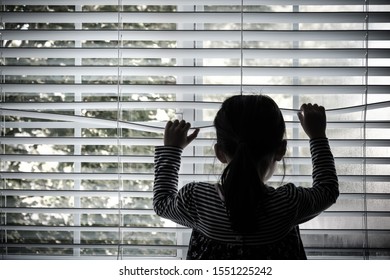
243 190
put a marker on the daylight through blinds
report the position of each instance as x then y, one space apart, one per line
88 85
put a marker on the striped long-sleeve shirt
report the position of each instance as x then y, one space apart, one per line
199 206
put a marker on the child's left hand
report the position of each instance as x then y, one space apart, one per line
176 134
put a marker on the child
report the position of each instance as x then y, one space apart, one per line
242 217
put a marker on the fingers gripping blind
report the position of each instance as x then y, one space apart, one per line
87 86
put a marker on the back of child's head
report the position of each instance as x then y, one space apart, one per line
250 130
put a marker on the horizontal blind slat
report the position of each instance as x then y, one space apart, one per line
97 228
149 194
158 141
185 177
194 53
308 231
195 35
191 2
116 211
20 109
194 71
87 89
196 17
89 211
185 159
93 246
76 193
159 126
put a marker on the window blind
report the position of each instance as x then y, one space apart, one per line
88 85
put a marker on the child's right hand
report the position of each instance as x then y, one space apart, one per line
176 134
313 120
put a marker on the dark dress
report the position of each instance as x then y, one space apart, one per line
289 248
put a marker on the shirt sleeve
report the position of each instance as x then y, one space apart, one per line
310 202
304 203
168 201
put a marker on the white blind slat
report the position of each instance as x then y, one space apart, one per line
17 108
175 229
198 71
150 212
197 35
158 127
90 89
186 159
191 3
343 196
184 177
195 53
196 17
157 141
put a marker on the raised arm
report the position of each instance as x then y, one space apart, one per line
168 202
325 191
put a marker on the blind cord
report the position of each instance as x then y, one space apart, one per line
119 129
3 199
365 102
241 47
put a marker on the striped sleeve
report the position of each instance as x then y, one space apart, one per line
168 202
324 192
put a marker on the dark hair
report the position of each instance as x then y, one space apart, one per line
250 129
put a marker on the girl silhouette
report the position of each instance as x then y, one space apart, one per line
241 217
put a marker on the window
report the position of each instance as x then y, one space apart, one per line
87 86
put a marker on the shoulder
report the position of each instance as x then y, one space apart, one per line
198 188
282 190
201 192
286 193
